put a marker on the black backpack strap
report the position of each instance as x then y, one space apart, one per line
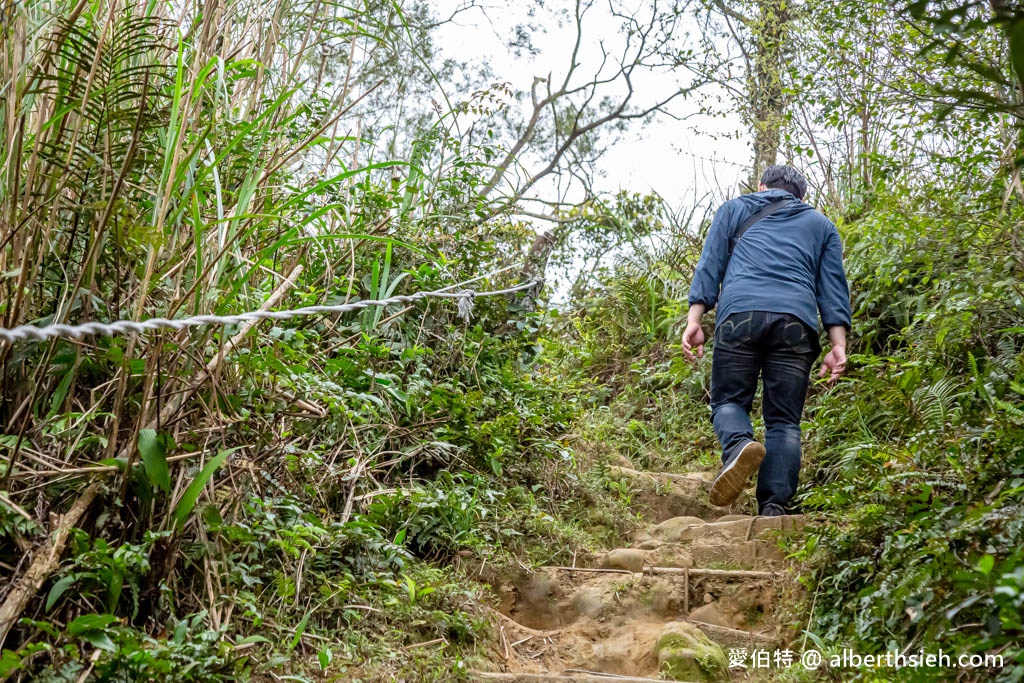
764 212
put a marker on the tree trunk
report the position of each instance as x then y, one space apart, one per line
769 32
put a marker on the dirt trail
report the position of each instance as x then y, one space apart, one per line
698 581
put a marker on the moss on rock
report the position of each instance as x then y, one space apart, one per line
686 654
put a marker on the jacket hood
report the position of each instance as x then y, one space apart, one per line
757 200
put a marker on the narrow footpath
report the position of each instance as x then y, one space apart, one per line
697 583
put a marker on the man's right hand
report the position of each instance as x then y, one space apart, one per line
835 361
693 337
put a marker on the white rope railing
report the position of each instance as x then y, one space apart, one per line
465 298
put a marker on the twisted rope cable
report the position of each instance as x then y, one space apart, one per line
465 297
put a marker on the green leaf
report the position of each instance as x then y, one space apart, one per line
60 393
191 495
58 590
252 639
99 640
9 662
1016 39
985 564
324 656
299 630
90 622
154 459
819 643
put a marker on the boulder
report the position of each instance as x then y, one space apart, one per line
629 559
711 614
685 654
671 529
732 518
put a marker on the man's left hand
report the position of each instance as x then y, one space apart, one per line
693 337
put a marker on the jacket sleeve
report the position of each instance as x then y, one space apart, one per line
832 290
707 279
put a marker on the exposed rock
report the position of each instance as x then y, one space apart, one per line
587 603
732 518
629 559
711 614
686 654
557 620
620 460
671 529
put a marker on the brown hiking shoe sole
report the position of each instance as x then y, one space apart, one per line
734 476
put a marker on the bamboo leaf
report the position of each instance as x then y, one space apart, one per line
58 590
299 630
191 495
154 459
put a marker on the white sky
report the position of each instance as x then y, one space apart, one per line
699 159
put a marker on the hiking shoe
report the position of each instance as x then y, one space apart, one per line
734 476
772 510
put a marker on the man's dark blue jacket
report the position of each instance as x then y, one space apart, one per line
788 262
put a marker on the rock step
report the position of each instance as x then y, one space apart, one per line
664 609
661 495
725 528
631 648
757 554
735 541
732 637
687 479
559 597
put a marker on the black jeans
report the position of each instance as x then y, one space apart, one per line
781 348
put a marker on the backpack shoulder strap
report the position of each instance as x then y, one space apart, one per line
764 212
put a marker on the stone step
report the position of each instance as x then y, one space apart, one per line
662 495
725 529
700 580
734 541
754 554
733 637
685 479
634 647
558 597
758 554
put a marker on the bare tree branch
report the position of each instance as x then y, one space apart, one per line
580 106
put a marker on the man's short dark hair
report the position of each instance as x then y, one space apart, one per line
785 178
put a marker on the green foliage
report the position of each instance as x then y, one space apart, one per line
914 458
308 500
270 500
190 652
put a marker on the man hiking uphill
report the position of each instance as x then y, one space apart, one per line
778 264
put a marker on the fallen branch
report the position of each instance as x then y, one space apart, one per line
435 641
721 573
616 677
531 631
598 570
731 633
17 508
93 469
45 564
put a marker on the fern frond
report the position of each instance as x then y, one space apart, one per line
937 403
